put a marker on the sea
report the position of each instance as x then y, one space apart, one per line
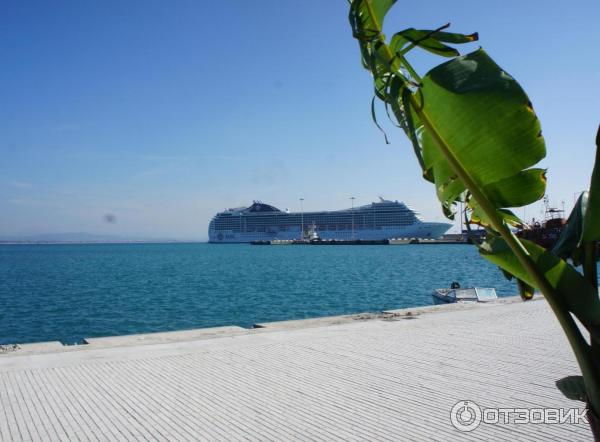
67 292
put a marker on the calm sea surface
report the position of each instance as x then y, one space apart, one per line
68 292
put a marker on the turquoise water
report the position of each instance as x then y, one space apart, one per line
68 292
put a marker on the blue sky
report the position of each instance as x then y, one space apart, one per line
163 113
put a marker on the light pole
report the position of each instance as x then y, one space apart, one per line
352 199
302 218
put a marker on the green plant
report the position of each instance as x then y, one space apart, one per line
477 138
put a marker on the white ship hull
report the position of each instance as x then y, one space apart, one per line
417 230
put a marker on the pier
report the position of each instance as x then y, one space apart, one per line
387 376
358 242
324 242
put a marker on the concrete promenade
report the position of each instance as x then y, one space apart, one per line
390 377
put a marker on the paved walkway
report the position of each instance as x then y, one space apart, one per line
389 379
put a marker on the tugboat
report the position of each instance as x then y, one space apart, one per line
310 236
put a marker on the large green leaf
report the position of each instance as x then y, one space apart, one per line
485 118
591 221
518 190
576 293
522 188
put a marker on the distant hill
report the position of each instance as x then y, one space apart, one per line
77 237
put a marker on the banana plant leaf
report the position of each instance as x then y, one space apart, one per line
366 17
480 218
591 220
475 134
569 242
525 290
430 41
580 226
575 292
522 188
487 121
518 190
474 107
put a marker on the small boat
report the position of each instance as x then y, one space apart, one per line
457 294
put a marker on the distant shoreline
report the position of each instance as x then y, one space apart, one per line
158 241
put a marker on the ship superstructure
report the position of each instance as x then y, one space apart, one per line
380 220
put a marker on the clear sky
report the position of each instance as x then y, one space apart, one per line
163 113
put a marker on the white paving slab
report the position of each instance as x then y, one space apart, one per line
388 379
164 337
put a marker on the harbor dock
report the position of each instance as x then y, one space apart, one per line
320 242
358 242
393 375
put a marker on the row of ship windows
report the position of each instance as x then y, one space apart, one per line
319 227
308 223
349 212
369 213
402 222
317 219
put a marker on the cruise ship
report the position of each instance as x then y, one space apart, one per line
379 220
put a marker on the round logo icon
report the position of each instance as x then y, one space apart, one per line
465 416
220 237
